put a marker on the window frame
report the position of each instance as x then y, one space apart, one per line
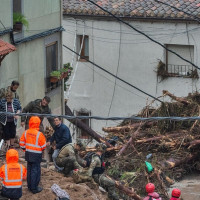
80 134
47 76
178 68
83 57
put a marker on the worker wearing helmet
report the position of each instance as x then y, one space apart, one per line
176 193
12 174
152 195
33 142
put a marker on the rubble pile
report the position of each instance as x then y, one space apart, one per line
157 151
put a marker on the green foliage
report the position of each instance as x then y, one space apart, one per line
19 18
56 74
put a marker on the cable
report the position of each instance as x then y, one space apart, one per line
84 63
114 75
76 67
114 16
135 118
193 16
116 72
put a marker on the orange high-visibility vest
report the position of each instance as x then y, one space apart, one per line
13 175
33 141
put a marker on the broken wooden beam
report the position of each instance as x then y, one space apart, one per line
179 99
126 128
128 191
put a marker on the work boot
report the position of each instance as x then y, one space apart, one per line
39 189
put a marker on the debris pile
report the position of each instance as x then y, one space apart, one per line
157 151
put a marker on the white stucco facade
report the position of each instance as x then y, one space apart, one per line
132 57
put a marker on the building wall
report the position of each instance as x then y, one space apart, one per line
93 89
42 15
5 14
28 63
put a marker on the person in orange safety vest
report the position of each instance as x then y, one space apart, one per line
11 175
33 142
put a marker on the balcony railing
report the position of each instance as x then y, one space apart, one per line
187 71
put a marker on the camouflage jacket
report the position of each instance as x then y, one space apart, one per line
66 151
95 162
35 107
3 92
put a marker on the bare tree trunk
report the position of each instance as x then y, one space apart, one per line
125 128
128 191
84 127
179 99
158 138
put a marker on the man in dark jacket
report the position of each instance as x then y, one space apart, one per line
40 106
61 136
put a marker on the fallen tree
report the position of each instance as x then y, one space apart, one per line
85 127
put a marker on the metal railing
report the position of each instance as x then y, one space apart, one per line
180 70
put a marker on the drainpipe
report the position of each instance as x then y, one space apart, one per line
61 62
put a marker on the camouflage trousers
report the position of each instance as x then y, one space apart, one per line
69 163
107 184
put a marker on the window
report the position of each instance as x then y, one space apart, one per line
17 11
85 47
51 64
176 66
17 6
80 133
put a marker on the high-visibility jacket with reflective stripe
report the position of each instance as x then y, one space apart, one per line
33 141
12 175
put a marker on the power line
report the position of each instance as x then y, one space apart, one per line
84 63
134 118
114 75
193 16
118 19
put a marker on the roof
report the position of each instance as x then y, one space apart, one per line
134 8
6 48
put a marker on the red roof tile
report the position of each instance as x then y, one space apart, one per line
6 48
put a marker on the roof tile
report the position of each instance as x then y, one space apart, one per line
6 48
134 8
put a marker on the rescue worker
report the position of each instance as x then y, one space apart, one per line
176 193
152 195
96 171
3 91
62 137
40 106
12 174
33 142
69 159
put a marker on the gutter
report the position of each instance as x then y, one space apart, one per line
39 35
135 18
6 31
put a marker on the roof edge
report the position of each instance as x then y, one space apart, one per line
110 18
39 35
5 31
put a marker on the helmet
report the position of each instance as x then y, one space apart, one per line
150 187
101 147
176 193
81 144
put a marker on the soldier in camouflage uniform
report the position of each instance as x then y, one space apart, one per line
69 159
3 91
96 171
